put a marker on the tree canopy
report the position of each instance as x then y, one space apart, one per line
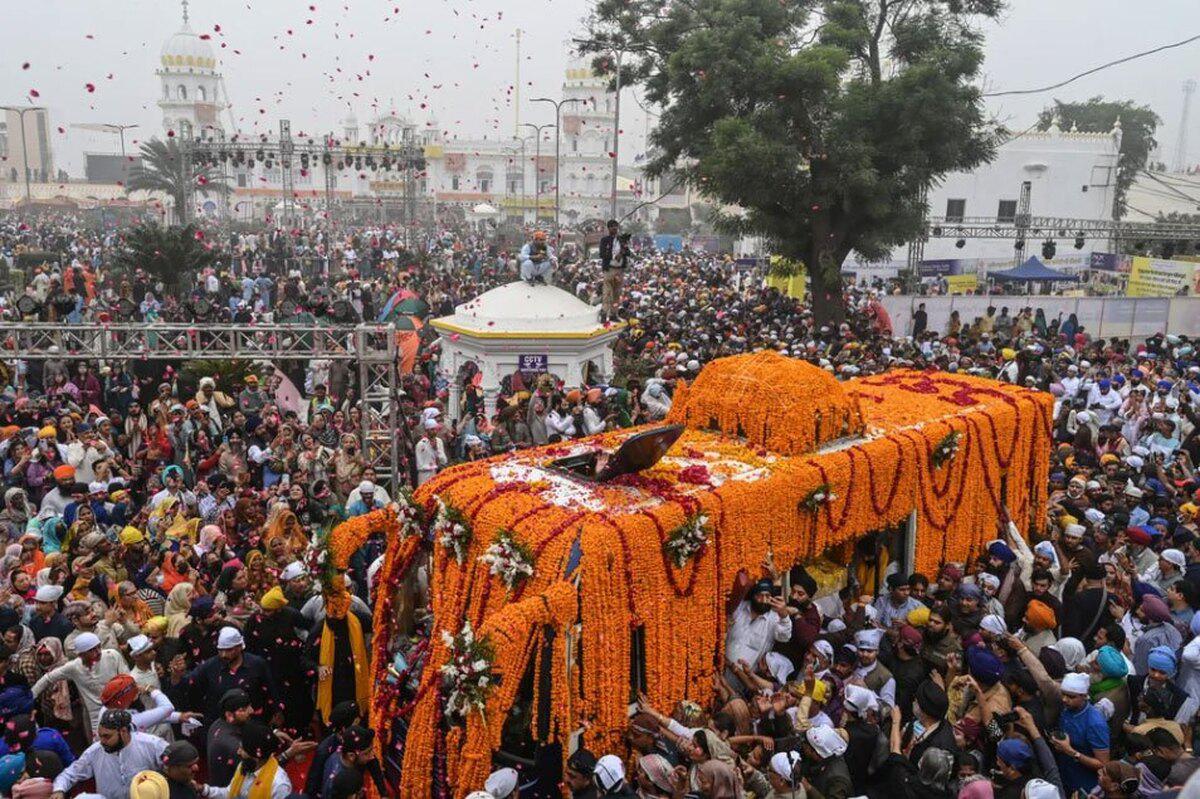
164 169
167 254
818 124
1097 115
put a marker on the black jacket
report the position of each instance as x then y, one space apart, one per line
606 254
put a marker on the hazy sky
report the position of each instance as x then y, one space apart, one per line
314 61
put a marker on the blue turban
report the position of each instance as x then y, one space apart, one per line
11 769
15 700
1161 658
1164 385
202 607
1105 383
1001 551
1142 589
1119 379
1015 752
1112 663
985 667
178 473
1138 373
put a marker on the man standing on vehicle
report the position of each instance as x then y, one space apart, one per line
614 257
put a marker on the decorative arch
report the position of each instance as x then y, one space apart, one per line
181 91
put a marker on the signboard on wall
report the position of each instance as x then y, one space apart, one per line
534 363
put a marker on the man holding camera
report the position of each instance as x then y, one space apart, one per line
614 257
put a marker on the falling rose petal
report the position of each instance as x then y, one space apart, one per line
34 93
61 129
91 87
199 235
25 65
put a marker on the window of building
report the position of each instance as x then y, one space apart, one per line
955 210
515 182
201 94
454 183
574 145
483 180
1007 211
182 92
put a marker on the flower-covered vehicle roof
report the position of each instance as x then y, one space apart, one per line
777 459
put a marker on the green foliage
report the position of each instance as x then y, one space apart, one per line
167 254
163 169
823 121
227 373
1097 115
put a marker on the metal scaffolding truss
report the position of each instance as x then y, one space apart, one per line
371 347
1053 227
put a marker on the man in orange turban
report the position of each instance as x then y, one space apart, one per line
1040 622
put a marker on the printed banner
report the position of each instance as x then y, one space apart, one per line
1153 277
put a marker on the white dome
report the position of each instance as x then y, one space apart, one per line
521 308
186 50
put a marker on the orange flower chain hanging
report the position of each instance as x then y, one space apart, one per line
778 459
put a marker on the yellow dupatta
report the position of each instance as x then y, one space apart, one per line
336 607
263 781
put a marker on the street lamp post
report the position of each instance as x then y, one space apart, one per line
616 137
537 167
558 104
24 147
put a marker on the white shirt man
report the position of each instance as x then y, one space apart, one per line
756 625
430 453
89 672
113 769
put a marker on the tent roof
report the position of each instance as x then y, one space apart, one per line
1032 270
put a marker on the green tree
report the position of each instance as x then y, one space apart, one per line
1097 115
166 254
823 122
163 169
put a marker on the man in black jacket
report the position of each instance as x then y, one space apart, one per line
614 257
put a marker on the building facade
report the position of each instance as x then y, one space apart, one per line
192 90
25 146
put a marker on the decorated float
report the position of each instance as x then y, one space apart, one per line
565 579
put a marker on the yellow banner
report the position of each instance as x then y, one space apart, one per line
1153 277
962 284
794 284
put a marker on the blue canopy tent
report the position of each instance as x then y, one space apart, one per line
1032 271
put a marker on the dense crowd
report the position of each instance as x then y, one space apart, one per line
164 632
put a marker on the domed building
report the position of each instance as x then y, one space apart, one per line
193 90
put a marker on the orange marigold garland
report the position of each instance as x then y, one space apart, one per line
629 585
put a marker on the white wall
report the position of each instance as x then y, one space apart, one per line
1073 175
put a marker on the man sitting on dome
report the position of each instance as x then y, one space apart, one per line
537 259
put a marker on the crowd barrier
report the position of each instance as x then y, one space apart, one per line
1102 317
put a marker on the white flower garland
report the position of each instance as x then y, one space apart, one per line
451 530
687 540
508 559
467 673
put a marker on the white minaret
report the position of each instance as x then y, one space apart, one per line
587 140
193 91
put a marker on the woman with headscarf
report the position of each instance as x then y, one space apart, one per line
179 603
653 778
713 779
16 513
283 523
258 579
231 592
33 663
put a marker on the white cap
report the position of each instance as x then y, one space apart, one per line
139 644
868 639
1133 491
1083 416
1092 515
1175 557
1093 485
48 593
1076 683
96 487
229 637
1135 461
431 424
1074 530
609 772
826 741
366 487
480 795
1040 789
291 571
860 699
784 763
993 624
86 642
502 783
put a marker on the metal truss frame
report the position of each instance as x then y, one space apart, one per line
371 347
1053 227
